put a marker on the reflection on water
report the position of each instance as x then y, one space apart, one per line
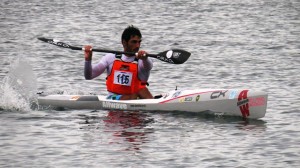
221 122
133 129
119 127
128 126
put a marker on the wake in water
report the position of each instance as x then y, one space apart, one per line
18 88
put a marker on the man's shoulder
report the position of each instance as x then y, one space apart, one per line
109 57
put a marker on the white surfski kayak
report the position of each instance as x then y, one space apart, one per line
231 102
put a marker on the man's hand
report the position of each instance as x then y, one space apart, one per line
141 54
88 53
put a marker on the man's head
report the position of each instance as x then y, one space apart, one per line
131 39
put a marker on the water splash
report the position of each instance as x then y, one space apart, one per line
18 88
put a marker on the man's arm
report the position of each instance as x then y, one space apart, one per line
146 64
88 70
92 71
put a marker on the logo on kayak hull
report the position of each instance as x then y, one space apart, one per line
232 94
111 105
217 94
197 98
257 101
243 103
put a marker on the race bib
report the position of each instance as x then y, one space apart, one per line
123 78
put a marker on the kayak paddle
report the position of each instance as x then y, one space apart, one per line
174 56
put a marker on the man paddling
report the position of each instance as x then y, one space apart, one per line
127 75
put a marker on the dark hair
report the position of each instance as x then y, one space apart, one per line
129 32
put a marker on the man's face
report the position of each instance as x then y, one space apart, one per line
133 45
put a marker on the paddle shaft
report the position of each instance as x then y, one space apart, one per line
111 51
174 56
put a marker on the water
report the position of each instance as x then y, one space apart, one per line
236 44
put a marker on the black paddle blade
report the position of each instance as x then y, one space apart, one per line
58 43
174 56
